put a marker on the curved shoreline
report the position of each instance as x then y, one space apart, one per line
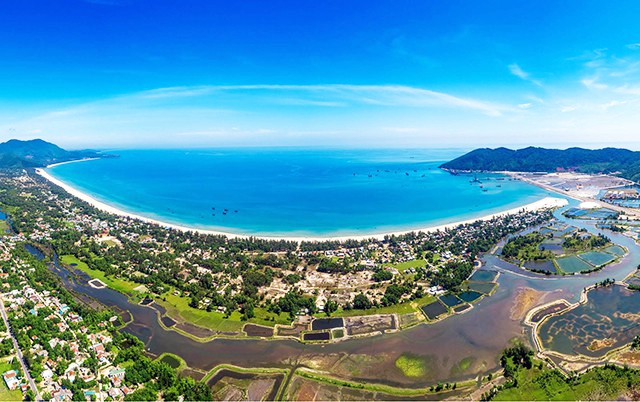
546 202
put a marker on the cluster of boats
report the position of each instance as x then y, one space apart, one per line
478 181
224 212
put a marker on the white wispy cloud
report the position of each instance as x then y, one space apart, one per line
568 108
265 113
334 95
628 89
592 83
612 103
520 73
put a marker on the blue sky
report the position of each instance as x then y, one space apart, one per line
124 73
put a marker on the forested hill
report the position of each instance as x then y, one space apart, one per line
608 160
38 153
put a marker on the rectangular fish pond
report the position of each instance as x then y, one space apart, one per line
326 323
258 330
316 336
551 246
470 296
462 308
573 264
484 276
434 310
597 258
450 300
541 266
616 250
482 287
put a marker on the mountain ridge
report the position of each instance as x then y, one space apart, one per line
619 161
39 153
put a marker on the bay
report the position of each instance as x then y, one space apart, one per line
294 192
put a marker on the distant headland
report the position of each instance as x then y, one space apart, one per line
39 153
621 162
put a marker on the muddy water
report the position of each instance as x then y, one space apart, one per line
477 336
607 321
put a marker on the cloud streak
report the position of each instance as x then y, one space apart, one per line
523 75
333 95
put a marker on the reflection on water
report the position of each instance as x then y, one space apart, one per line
481 333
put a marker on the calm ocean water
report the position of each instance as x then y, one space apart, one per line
294 191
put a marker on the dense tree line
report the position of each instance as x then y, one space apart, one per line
158 378
452 274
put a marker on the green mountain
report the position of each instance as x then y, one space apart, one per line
618 161
38 153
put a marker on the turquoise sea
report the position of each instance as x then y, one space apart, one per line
295 192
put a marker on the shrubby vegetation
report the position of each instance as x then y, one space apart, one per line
452 274
579 242
531 379
516 357
159 378
527 248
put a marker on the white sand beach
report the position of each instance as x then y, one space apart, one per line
75 161
547 202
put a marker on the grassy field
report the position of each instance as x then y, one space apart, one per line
178 307
120 285
402 266
4 227
601 383
110 243
403 308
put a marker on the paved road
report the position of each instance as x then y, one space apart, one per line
27 375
